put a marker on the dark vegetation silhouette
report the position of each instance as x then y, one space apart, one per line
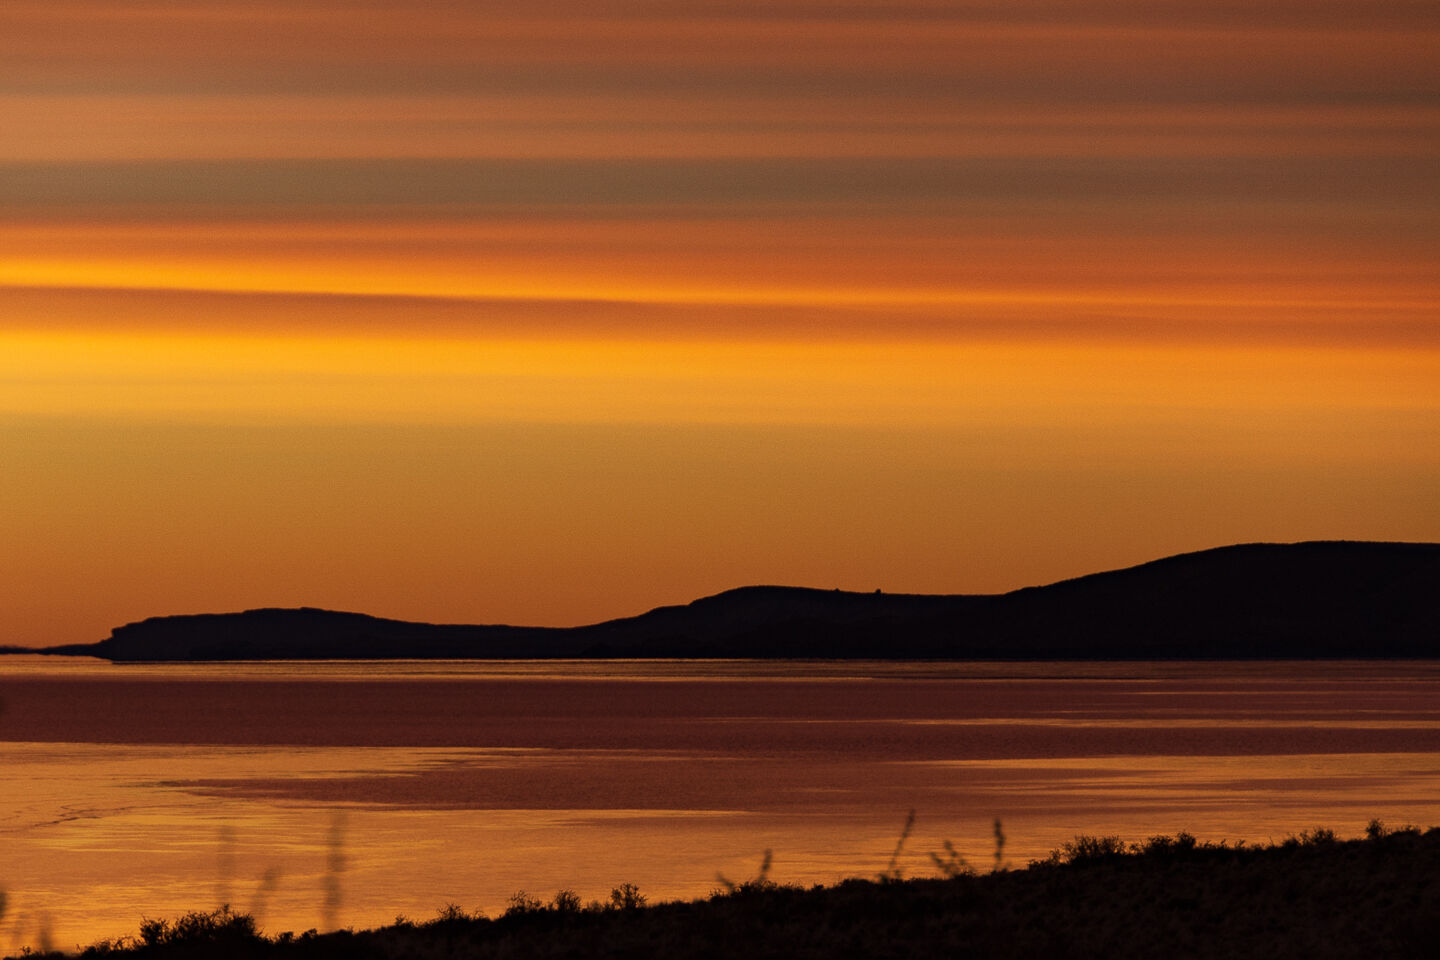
758 884
1310 895
1333 599
893 870
269 881
4 897
335 865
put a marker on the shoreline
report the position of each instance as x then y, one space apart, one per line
1312 895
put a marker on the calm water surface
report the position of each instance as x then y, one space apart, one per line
323 794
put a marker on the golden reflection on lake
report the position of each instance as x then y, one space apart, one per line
395 788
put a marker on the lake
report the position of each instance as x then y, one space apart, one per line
344 794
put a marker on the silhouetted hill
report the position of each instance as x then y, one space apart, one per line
1320 599
311 634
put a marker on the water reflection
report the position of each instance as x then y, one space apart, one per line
332 795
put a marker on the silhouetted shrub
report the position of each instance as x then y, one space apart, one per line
1310 838
1182 842
218 926
1087 848
521 903
627 896
450 915
565 901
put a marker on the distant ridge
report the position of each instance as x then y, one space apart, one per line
1322 599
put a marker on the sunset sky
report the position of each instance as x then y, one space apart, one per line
556 311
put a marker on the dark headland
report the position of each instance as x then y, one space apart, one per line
1331 599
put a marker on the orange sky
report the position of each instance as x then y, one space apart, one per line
555 312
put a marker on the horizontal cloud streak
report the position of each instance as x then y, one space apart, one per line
81 310
900 183
1071 52
118 127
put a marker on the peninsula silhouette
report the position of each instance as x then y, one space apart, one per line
1324 599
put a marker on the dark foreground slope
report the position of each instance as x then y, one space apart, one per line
1321 599
1315 898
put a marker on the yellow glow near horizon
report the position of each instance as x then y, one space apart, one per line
385 378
